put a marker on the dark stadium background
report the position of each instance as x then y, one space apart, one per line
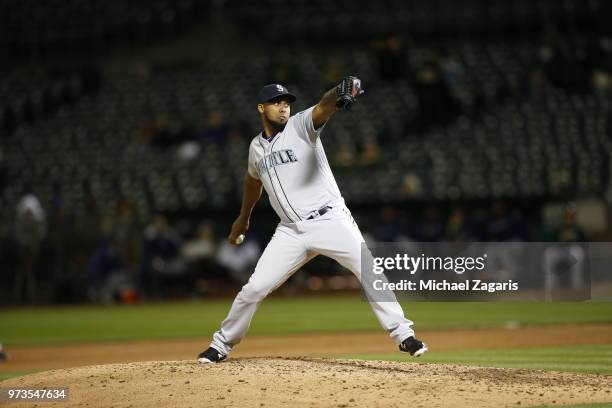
124 131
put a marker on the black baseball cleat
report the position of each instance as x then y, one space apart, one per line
211 355
413 346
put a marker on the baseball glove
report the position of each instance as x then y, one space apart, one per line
348 90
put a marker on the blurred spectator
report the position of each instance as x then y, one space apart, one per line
391 227
30 230
215 128
569 230
411 186
234 135
238 260
161 259
452 70
459 227
370 153
202 246
167 132
105 274
345 155
163 131
504 225
392 59
126 231
430 228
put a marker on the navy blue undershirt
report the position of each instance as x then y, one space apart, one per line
269 139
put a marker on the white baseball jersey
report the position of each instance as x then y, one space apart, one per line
296 175
294 169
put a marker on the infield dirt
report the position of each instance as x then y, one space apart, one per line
311 382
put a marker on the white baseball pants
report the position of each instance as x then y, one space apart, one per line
334 234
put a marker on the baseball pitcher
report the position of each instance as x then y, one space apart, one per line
288 160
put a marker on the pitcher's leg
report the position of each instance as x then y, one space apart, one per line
284 254
340 239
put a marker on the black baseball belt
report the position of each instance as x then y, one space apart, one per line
319 212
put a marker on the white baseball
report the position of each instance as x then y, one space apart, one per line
240 239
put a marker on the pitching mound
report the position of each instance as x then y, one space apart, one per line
270 382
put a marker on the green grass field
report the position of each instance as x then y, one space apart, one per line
602 405
55 325
595 358
10 374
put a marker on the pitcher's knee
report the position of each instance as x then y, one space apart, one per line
253 293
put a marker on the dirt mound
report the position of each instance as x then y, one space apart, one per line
270 382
